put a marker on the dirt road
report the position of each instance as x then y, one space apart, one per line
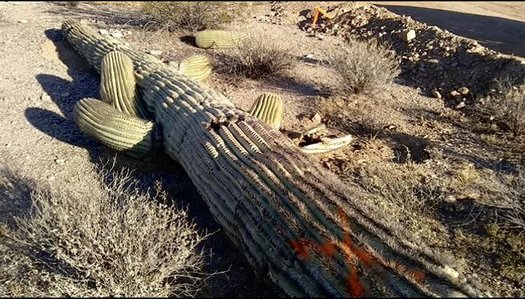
496 25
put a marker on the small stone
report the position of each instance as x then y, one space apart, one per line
454 94
436 94
461 105
155 52
316 118
60 161
65 94
450 199
117 34
408 35
45 97
463 90
22 21
103 32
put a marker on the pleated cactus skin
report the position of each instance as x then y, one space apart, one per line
269 108
117 130
217 39
292 219
197 67
118 84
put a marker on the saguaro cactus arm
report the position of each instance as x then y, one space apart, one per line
290 217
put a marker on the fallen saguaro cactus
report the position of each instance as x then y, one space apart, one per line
293 220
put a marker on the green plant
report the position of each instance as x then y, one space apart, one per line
363 66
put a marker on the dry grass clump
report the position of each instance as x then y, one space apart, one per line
115 241
190 15
408 186
508 107
256 56
364 66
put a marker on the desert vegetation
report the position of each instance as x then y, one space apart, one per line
116 241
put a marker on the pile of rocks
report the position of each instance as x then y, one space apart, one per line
276 15
435 60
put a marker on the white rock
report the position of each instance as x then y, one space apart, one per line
155 52
117 34
103 32
45 97
22 21
408 35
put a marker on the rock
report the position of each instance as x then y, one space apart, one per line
461 105
22 21
60 161
463 90
316 118
65 94
117 34
450 199
436 94
155 52
408 35
45 97
454 94
103 31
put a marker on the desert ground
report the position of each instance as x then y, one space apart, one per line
450 173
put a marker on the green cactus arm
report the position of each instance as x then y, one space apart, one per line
118 86
269 108
217 39
117 130
275 203
197 67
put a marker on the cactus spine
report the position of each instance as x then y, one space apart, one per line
269 108
217 39
291 218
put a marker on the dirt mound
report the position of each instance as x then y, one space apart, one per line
433 59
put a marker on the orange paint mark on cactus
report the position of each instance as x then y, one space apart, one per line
365 257
353 285
344 217
327 248
347 240
299 248
418 275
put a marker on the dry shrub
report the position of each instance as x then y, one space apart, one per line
364 66
190 15
115 241
256 56
512 193
508 106
409 186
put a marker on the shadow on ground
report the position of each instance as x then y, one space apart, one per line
241 280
